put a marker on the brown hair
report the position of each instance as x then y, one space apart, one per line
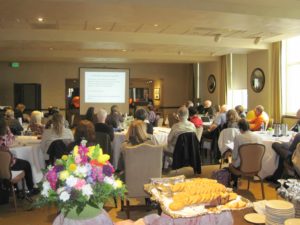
232 116
58 123
137 132
85 130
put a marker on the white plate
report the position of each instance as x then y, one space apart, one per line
260 207
279 204
255 218
293 221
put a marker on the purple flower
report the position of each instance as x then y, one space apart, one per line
58 168
107 170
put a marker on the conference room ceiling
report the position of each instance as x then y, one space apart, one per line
120 31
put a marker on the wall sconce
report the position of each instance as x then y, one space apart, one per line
217 38
156 93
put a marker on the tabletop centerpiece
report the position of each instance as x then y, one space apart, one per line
80 183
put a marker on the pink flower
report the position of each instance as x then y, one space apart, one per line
52 178
77 159
80 183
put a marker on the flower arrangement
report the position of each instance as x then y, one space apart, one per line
83 178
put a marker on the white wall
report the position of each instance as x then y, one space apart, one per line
176 80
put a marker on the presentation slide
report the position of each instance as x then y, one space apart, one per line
102 88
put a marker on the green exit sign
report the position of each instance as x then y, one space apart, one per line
15 65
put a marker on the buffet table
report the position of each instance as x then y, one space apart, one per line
28 148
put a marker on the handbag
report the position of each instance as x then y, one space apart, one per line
296 159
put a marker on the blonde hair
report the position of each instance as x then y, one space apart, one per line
137 132
58 123
36 117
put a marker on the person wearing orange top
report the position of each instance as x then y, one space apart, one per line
258 121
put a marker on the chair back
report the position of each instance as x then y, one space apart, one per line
199 132
141 163
172 119
5 161
186 152
251 156
226 136
103 139
159 122
57 149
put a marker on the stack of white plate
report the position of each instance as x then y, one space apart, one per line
293 221
277 211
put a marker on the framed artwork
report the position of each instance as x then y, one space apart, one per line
156 94
211 83
257 80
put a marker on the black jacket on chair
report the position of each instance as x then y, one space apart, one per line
56 150
186 152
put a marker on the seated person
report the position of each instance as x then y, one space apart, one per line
85 130
194 118
151 115
240 111
183 126
141 114
232 119
219 121
245 137
35 124
90 114
296 126
6 139
101 126
19 113
55 132
285 151
260 120
114 118
206 109
189 104
13 124
49 115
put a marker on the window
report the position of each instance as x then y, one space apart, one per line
290 75
237 97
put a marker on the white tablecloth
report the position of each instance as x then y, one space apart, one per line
160 137
270 159
28 148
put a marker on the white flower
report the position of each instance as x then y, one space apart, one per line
46 188
87 190
64 196
109 180
71 181
81 171
83 142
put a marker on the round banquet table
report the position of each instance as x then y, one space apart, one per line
28 148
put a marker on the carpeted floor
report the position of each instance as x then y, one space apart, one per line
45 216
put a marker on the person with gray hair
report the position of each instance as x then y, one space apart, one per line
101 126
183 126
13 124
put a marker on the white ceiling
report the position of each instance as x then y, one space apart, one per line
175 31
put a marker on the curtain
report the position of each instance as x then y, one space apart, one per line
277 93
223 80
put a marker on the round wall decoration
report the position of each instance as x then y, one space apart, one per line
257 80
211 83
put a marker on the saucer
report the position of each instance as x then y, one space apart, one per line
255 218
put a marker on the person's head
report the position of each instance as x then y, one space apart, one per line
114 109
20 107
232 116
223 108
239 109
243 125
3 126
189 104
85 130
141 114
192 111
183 113
259 110
207 104
150 107
90 113
58 123
52 110
9 114
137 132
36 117
101 115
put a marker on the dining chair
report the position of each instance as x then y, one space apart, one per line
251 156
57 149
8 177
142 162
103 139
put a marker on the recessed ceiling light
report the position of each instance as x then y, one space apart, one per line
40 19
51 48
98 28
155 25
18 20
124 50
